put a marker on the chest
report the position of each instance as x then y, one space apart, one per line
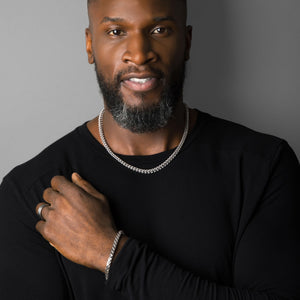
188 217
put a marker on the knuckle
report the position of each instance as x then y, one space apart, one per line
47 193
44 212
38 226
54 180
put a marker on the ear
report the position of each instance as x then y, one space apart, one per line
188 41
88 43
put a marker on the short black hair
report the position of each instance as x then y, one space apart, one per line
92 1
89 2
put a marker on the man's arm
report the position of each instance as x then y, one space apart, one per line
265 265
29 268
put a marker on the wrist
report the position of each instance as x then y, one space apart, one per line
113 253
121 243
100 263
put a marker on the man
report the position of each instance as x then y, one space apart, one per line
209 208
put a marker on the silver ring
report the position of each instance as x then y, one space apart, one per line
40 209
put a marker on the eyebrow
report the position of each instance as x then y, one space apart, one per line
156 19
161 19
113 20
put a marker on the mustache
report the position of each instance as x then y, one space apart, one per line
133 69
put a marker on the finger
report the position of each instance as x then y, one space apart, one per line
86 186
58 182
50 196
40 227
62 185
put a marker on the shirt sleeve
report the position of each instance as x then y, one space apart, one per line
266 263
29 268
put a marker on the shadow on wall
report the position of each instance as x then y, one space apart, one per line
207 71
245 64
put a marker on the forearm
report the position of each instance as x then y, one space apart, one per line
265 260
139 273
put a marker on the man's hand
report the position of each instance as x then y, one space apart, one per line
78 222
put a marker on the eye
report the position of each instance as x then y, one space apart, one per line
115 32
160 30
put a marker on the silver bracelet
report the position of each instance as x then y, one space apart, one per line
112 253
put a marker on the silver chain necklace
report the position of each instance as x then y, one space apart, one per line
139 170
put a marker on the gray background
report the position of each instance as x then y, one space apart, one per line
245 67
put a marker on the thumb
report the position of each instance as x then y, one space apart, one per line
86 186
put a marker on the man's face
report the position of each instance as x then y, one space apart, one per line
139 48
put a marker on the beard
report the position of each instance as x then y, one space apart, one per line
142 118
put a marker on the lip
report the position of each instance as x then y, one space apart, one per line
139 75
141 87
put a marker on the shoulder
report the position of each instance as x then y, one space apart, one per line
227 136
56 158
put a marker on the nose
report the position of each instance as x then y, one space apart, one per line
139 50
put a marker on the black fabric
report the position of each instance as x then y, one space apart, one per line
220 222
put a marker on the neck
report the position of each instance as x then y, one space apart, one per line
123 141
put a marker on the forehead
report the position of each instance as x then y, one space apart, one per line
137 10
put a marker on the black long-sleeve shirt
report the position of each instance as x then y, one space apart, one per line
222 221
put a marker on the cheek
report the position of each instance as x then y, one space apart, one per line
108 59
172 54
